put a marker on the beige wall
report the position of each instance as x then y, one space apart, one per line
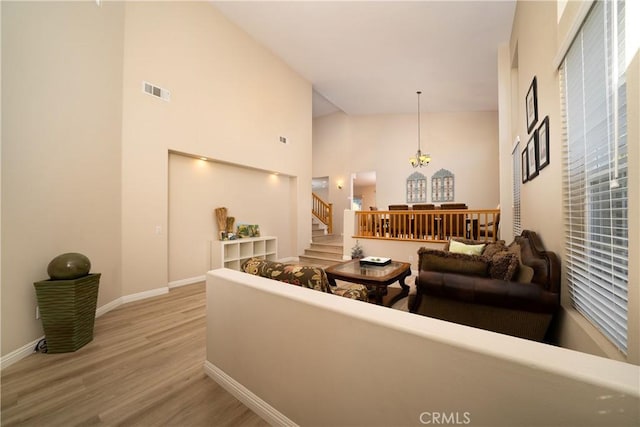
535 42
61 114
464 143
197 187
85 151
231 100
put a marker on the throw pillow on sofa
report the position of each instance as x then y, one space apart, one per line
450 262
461 248
490 249
503 265
525 273
493 248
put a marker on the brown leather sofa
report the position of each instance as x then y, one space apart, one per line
467 296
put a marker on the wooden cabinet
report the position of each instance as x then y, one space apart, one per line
232 253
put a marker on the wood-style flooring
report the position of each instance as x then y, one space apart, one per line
144 367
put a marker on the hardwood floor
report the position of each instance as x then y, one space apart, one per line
144 367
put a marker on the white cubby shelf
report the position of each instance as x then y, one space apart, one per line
232 253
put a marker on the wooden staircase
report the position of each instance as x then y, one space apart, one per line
325 250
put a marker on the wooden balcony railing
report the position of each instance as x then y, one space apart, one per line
323 211
437 225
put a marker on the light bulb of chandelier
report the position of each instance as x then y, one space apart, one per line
425 159
420 159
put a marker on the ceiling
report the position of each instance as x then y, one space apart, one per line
370 57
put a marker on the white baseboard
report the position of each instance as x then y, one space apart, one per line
18 354
144 295
189 281
253 402
27 349
108 307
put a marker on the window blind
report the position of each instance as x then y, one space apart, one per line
595 174
517 177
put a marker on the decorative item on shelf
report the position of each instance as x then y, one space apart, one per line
230 224
419 159
221 219
248 230
356 251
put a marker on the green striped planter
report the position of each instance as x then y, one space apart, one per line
68 311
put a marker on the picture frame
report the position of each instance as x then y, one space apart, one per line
543 143
532 156
531 105
525 164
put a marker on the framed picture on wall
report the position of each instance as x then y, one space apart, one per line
525 166
532 157
543 143
531 104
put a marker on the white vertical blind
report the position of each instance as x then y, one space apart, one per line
595 181
517 180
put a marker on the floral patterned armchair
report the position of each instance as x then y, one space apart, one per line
302 275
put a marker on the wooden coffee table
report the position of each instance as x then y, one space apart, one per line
375 278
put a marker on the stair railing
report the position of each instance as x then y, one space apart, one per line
323 211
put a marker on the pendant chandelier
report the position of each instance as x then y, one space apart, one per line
419 159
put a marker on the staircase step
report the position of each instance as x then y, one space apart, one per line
327 238
327 247
323 254
319 261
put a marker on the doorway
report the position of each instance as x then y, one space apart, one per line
363 191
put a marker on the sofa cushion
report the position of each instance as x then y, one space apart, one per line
352 290
450 262
461 248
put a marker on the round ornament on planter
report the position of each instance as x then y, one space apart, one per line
69 266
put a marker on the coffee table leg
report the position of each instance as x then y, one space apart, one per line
405 289
331 280
379 294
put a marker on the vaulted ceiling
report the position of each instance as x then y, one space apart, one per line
370 57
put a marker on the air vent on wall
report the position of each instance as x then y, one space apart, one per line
283 139
156 91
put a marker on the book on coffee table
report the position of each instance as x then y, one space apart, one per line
375 260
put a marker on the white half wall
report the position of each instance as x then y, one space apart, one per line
319 359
